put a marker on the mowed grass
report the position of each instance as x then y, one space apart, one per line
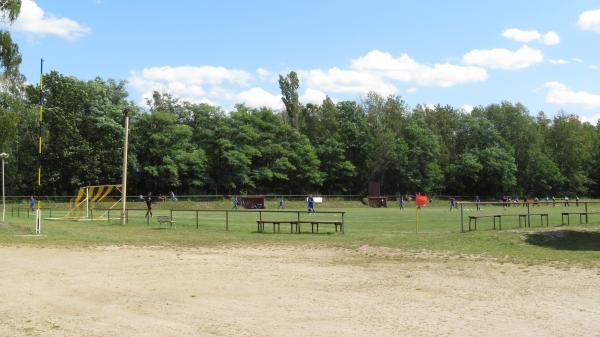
440 230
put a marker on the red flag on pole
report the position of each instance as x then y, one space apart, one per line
421 200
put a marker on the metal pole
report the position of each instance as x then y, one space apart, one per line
3 195
38 211
87 202
462 221
124 183
528 216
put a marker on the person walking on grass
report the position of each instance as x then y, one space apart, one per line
32 203
401 203
149 204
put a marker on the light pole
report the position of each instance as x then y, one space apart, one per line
3 156
126 114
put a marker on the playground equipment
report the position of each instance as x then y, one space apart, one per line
89 198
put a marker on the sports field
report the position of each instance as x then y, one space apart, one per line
380 278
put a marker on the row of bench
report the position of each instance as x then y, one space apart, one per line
581 216
473 218
295 225
524 217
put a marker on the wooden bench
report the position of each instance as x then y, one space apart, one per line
295 225
522 217
163 219
315 224
581 216
260 225
542 216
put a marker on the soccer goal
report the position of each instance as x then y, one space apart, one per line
93 203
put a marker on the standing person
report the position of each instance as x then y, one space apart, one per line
553 201
310 204
451 203
576 201
477 203
525 201
401 203
32 203
567 202
281 203
149 204
235 202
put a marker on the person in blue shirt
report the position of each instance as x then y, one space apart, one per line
477 202
32 203
401 202
310 203
281 203
235 202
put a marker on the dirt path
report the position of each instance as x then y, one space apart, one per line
285 291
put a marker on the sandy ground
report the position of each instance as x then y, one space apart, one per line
286 291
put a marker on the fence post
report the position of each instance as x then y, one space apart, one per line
226 220
462 223
528 216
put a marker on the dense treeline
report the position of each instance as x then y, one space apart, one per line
331 148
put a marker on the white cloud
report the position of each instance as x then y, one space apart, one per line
550 38
558 61
467 108
258 98
405 69
313 96
590 20
32 19
265 75
337 80
520 35
196 75
411 90
500 58
560 94
594 67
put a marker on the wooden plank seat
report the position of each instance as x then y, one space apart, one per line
163 219
276 223
295 225
581 216
315 224
522 217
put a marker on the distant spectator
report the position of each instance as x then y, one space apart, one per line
577 201
281 203
401 203
235 202
477 203
32 203
172 196
310 204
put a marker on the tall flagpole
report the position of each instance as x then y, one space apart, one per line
38 210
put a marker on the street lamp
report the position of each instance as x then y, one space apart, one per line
126 114
3 156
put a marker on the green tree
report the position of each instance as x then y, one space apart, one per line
289 90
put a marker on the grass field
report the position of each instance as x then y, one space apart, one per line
440 230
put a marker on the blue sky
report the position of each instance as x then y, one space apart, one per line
545 54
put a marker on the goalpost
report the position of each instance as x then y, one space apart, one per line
89 198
